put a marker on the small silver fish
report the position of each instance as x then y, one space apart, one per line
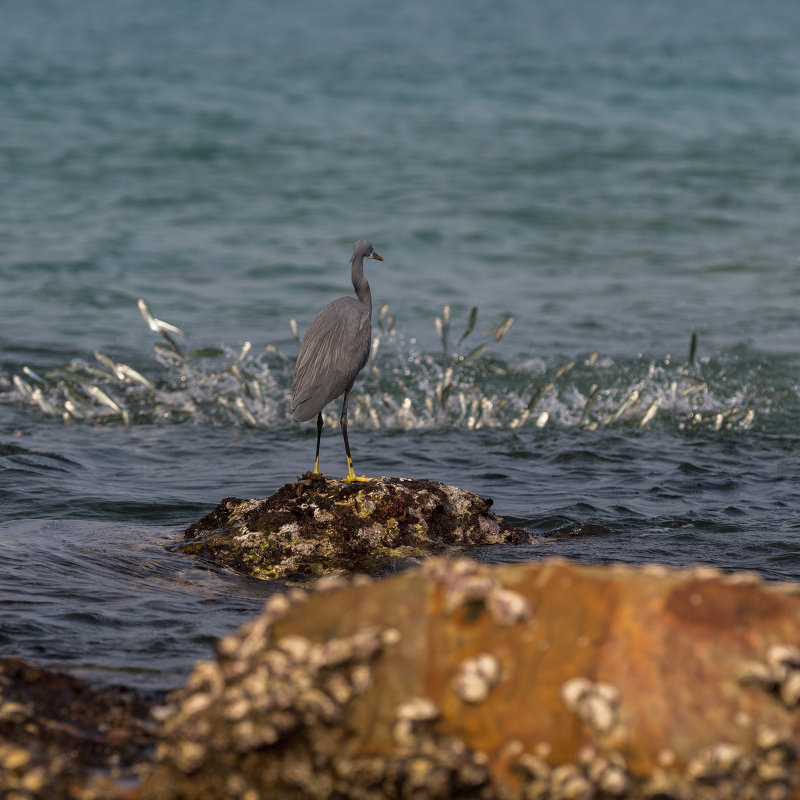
445 326
373 416
99 374
588 405
474 353
101 397
34 376
157 325
245 411
538 393
166 329
23 387
273 351
44 404
651 412
502 328
382 314
130 374
445 395
169 353
473 315
109 362
695 386
627 403
73 410
520 420
563 369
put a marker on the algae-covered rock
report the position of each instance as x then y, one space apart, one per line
545 680
60 738
316 526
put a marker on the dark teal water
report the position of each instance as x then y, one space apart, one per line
614 177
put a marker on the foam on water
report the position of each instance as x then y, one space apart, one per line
404 388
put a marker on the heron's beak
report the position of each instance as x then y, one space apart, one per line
376 256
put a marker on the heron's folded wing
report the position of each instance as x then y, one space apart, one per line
334 350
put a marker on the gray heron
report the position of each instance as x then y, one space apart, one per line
333 352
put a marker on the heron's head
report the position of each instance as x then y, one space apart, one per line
365 250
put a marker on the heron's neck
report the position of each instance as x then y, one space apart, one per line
361 285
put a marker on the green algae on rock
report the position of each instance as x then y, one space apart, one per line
315 527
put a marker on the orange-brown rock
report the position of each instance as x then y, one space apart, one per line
546 680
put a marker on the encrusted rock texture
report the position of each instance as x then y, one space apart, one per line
547 680
316 527
60 738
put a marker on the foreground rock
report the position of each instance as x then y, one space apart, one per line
59 738
314 527
541 681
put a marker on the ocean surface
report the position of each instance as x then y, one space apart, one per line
614 187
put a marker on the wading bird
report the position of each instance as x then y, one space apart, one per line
334 350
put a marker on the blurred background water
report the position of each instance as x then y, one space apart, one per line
614 177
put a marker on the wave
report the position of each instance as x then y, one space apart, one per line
466 385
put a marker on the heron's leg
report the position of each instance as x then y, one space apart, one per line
319 436
351 475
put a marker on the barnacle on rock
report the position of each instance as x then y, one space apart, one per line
476 677
595 703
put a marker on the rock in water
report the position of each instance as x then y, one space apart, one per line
61 738
547 681
315 526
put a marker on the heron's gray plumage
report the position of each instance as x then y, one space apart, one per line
334 350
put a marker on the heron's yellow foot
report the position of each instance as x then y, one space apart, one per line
351 475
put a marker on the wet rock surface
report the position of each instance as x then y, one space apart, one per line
546 680
60 738
316 526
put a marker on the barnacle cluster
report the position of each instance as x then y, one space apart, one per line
267 718
778 673
595 703
467 583
591 775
